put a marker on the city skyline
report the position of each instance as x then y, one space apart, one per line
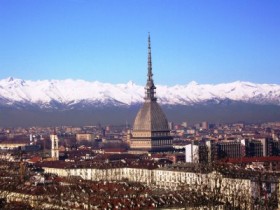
208 42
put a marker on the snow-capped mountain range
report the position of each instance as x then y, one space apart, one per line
72 93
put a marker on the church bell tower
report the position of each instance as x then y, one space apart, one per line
54 144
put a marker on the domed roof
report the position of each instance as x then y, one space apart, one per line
150 118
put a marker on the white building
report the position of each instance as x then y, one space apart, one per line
191 153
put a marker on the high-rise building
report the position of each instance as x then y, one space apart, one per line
150 128
254 148
231 149
204 125
184 124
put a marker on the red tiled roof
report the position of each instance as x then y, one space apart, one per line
130 163
35 159
112 150
15 141
253 159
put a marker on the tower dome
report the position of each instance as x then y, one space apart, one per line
150 118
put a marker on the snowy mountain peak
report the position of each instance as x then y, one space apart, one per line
193 83
69 93
10 79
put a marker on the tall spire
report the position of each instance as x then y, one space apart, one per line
150 73
150 87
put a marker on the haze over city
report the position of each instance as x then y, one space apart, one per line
203 41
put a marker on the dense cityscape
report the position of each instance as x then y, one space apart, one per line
222 166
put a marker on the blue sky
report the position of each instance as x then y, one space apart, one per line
106 40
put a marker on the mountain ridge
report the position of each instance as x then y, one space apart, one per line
70 93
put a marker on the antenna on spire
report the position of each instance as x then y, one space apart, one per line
150 87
